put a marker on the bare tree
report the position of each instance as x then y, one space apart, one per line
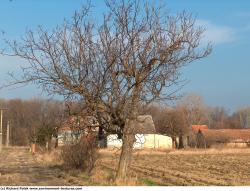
173 122
31 117
218 117
51 117
195 110
160 116
244 117
17 114
131 59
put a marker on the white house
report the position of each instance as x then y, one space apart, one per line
144 130
152 141
145 134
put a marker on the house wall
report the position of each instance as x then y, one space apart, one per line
65 138
143 141
113 141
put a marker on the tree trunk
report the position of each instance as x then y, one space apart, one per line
128 138
180 146
174 143
126 153
56 143
48 144
56 136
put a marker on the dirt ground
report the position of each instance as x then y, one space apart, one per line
173 168
221 167
18 167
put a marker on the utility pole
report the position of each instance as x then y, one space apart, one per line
1 128
8 134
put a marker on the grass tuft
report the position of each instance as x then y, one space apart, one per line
147 182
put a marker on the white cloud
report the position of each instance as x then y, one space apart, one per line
217 34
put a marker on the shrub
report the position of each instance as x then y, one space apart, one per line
81 155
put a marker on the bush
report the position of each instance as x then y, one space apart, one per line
81 155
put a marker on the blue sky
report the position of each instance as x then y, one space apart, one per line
222 78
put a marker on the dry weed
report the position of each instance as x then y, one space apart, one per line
49 158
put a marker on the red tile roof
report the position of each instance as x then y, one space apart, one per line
197 127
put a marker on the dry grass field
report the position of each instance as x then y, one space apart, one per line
220 167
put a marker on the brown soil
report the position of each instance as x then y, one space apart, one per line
19 167
187 167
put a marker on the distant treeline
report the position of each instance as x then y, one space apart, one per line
191 110
31 120
35 120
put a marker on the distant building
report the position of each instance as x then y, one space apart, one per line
223 137
144 130
145 135
74 127
197 127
